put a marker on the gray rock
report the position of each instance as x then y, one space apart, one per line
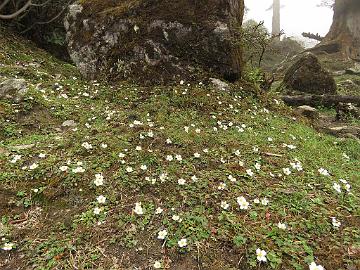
154 41
308 76
308 111
69 123
13 89
220 85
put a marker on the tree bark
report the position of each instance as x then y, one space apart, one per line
344 34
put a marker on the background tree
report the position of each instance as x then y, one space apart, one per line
344 34
276 19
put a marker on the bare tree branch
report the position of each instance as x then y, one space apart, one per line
4 4
17 13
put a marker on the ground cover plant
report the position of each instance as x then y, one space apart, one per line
178 177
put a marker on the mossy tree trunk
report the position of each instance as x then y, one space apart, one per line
344 34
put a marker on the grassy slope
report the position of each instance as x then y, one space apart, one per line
55 227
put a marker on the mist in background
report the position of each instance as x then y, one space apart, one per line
296 17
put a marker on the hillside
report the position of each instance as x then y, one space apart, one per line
98 176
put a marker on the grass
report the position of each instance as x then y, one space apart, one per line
48 214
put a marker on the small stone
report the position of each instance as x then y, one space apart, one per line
307 111
69 123
220 85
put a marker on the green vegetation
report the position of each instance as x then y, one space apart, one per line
166 162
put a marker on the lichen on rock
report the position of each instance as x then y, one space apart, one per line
155 41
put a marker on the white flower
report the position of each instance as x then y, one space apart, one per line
8 246
104 145
121 155
261 255
249 172
335 222
255 149
242 203
176 218
78 169
168 141
221 186
181 182
258 166
347 187
42 155
15 158
143 167
87 145
224 205
64 168
264 201
231 178
194 178
314 266
286 171
337 187
257 201
343 181
157 265
101 199
281 226
169 158
182 243
178 157
186 129
138 209
162 234
324 172
129 169
33 166
138 148
296 166
158 210
270 139
290 146
99 179
97 211
163 177
196 155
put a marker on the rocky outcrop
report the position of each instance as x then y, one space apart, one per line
308 76
155 41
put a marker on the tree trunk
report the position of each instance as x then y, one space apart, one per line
276 19
344 34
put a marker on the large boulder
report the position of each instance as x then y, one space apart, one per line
308 76
155 41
